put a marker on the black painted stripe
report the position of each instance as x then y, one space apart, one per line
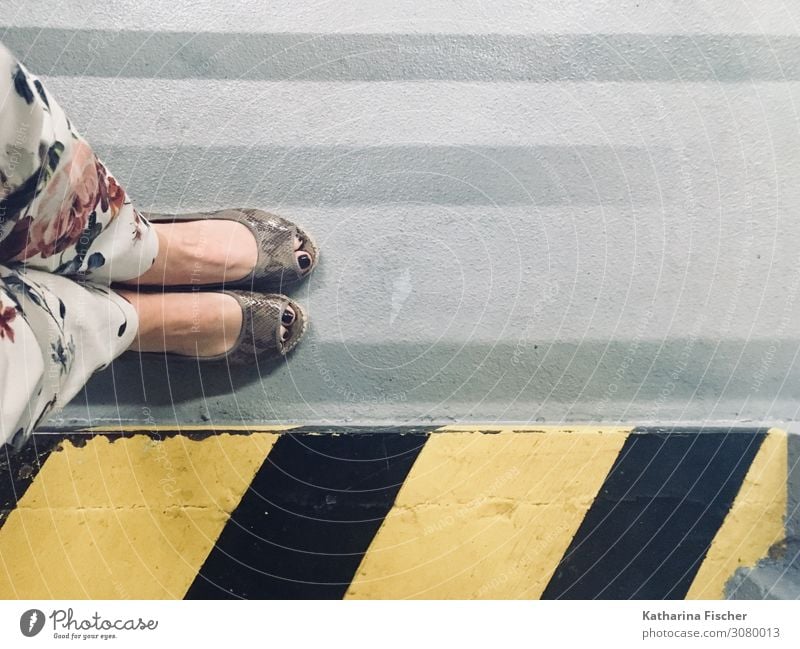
309 516
656 515
391 57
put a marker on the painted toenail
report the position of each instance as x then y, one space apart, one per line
287 317
284 334
304 260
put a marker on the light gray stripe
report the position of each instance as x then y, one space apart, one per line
168 112
543 175
413 16
382 57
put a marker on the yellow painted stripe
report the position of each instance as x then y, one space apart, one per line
754 522
130 518
487 516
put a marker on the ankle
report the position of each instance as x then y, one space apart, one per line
203 252
202 324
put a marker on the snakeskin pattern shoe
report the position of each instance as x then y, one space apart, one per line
262 317
260 336
277 263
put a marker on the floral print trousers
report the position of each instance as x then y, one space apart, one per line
67 230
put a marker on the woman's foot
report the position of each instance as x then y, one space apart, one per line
192 324
208 251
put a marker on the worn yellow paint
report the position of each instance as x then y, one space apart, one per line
487 516
130 518
754 522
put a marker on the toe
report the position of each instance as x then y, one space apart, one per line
285 333
288 316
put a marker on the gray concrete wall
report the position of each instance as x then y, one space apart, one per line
558 211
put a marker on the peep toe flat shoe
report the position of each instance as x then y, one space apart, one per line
260 338
278 264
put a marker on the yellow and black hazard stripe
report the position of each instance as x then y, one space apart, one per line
455 512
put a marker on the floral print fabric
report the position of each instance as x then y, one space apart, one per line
67 230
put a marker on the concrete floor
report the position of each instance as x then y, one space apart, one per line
574 212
